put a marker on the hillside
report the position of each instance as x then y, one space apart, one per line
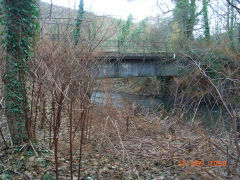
58 11
57 21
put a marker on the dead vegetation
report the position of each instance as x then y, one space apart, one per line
73 138
124 146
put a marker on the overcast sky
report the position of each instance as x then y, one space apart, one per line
117 8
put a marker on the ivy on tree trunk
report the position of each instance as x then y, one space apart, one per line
185 15
206 20
20 24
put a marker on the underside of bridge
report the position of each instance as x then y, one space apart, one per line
140 65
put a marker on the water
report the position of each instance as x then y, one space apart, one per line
118 98
211 118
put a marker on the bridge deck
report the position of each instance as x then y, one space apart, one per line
138 57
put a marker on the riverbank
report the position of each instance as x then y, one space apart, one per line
211 114
136 86
125 146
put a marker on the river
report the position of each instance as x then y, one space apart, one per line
213 118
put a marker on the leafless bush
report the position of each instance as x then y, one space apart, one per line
213 81
61 83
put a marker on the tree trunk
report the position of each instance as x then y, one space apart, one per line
14 90
19 18
206 20
192 19
185 14
230 32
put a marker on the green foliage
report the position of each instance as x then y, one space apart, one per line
5 177
185 15
20 24
78 23
176 37
136 33
213 65
47 176
125 31
206 20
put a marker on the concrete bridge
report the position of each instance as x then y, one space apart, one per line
127 58
135 59
138 59
140 65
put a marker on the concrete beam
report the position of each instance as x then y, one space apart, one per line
138 69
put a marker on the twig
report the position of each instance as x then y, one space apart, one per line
233 118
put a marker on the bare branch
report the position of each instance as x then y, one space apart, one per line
234 6
164 12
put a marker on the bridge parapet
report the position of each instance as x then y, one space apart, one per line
137 47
